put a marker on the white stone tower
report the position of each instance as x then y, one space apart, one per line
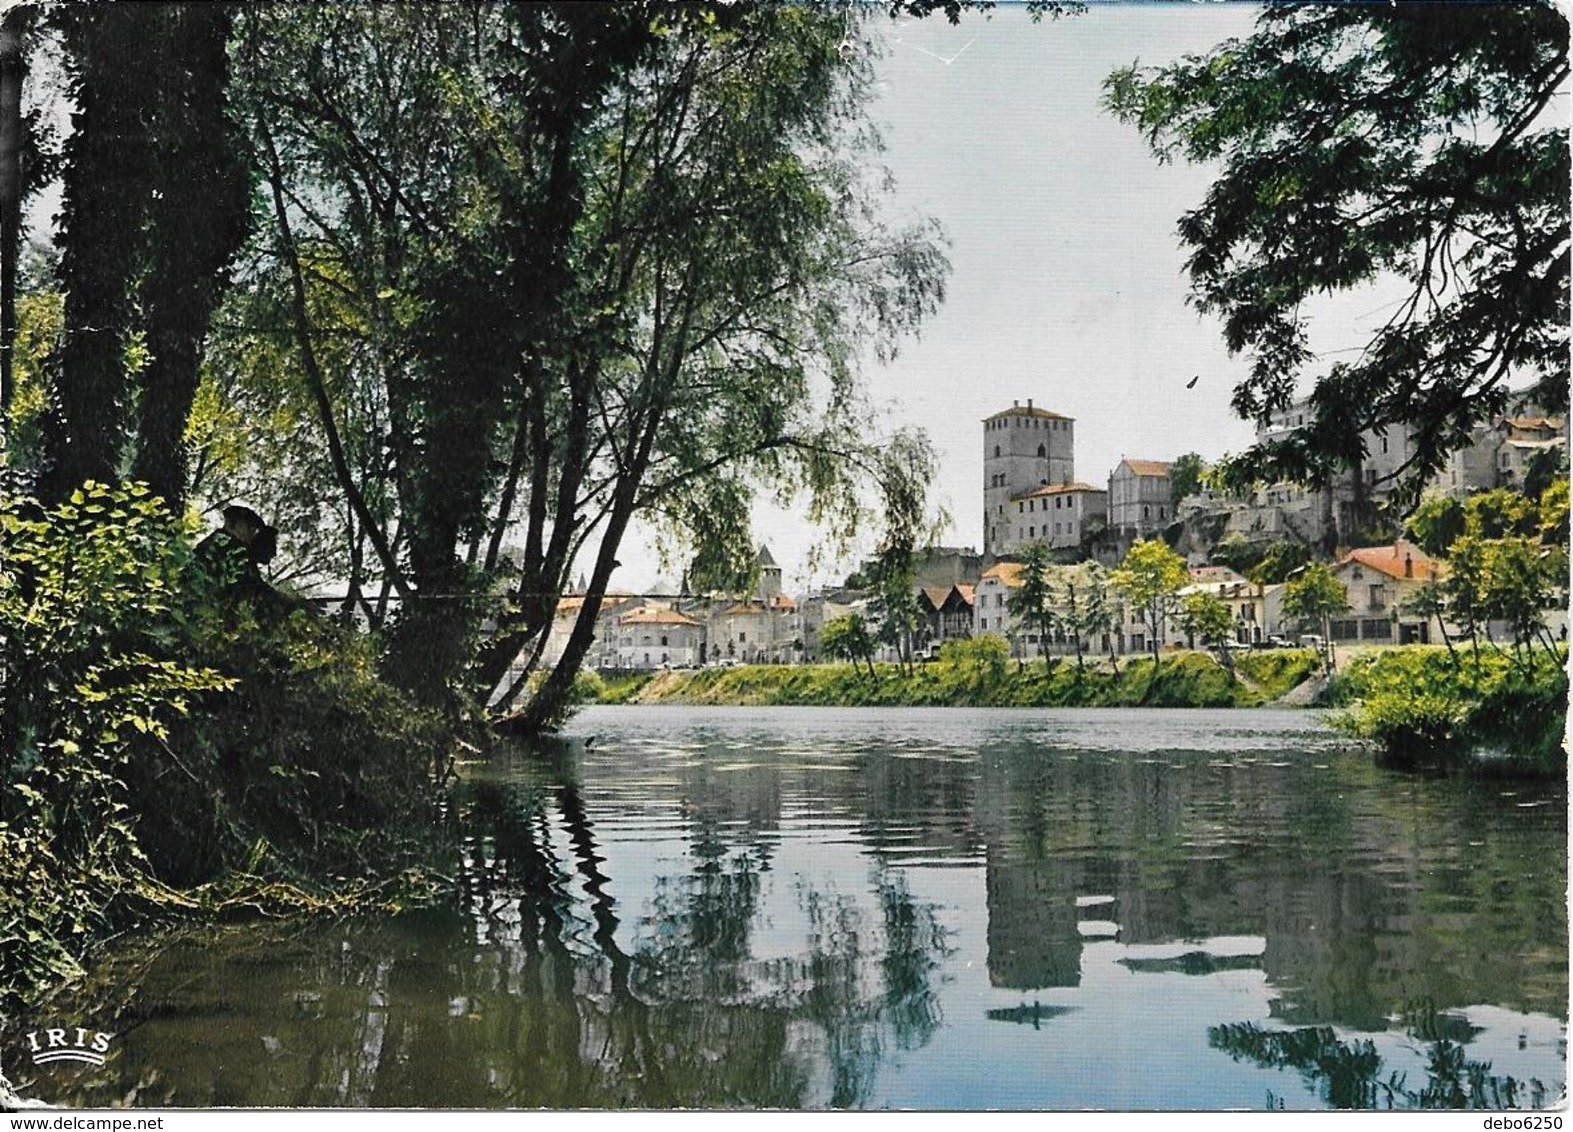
1023 447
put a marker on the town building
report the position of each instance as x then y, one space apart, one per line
763 628
1024 447
1061 516
1380 581
1140 497
948 612
652 637
1245 600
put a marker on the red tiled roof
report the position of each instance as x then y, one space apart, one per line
1389 560
1055 489
656 617
1007 572
1147 467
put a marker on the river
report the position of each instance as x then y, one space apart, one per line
932 908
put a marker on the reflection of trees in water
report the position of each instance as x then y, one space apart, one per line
687 1015
1348 1075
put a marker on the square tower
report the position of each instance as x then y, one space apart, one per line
1024 448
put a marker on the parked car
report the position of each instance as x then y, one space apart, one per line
1280 643
1311 641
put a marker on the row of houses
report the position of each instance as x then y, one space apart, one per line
651 631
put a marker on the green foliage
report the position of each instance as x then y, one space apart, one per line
979 659
1498 712
1360 141
848 638
1436 523
1186 476
158 729
977 672
1279 563
1149 576
1554 514
1544 469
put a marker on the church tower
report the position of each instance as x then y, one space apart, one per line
1024 447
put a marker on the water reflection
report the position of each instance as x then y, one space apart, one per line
1349 1075
943 909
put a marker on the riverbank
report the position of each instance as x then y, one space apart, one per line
1423 708
1188 679
1488 710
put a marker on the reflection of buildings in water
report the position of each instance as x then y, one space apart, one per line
1033 939
1362 910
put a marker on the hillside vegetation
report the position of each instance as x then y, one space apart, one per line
974 674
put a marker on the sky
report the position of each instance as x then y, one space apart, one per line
1067 283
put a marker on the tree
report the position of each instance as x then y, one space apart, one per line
1312 597
1465 588
1518 590
1099 616
1204 618
156 198
1185 476
1554 514
1405 140
1031 602
1280 561
1438 521
1428 602
1503 513
1545 468
587 262
905 468
1150 575
848 637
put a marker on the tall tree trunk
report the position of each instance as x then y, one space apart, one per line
12 68
198 219
106 183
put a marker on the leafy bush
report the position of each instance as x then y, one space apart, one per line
1428 709
158 728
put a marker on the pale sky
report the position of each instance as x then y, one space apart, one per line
1066 282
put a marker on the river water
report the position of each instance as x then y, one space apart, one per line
899 908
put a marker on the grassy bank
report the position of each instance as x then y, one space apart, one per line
178 740
971 678
1485 710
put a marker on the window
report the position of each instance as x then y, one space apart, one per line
1146 511
1020 508
1057 502
1032 532
1384 446
996 451
741 637
663 642
983 623
1042 452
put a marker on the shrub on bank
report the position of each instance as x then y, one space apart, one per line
1427 708
171 741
